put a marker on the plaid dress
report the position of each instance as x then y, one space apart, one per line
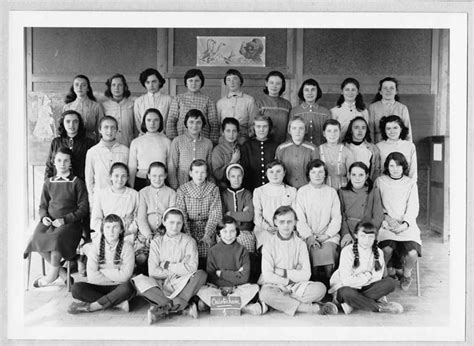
202 206
181 104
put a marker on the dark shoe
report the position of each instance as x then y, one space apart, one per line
78 307
328 308
405 283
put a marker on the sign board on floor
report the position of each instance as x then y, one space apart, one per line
225 306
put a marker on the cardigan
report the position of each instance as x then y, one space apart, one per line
234 202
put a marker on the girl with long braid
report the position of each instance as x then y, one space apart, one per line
110 264
358 283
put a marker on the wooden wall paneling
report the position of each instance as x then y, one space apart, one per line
29 59
162 56
434 60
442 104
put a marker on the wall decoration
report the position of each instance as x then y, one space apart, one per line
230 51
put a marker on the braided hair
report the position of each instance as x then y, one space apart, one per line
368 228
118 251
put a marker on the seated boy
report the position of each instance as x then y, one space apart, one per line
286 271
228 269
172 266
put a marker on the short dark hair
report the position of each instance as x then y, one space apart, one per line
348 136
274 163
150 72
108 83
284 209
393 119
157 164
193 73
194 113
63 150
400 160
313 82
107 117
333 122
233 72
198 163
119 165
62 131
276 74
231 121
227 220
316 163
366 169
151 110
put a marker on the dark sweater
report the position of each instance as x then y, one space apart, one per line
228 259
254 156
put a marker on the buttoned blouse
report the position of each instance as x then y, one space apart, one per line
160 101
90 111
296 157
345 113
152 204
239 106
380 109
314 117
181 104
254 156
183 151
99 159
123 112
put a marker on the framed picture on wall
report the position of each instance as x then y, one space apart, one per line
230 51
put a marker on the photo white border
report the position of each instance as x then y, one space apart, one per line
17 150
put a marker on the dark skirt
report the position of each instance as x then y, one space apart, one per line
324 255
64 239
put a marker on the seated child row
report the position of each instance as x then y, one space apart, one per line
64 203
174 279
236 104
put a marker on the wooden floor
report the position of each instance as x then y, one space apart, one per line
46 307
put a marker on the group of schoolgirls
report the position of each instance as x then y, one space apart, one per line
257 177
